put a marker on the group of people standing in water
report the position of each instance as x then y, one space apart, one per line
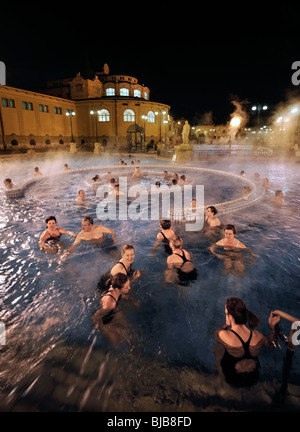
241 343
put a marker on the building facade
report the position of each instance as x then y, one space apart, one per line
113 110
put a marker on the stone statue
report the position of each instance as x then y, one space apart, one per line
185 132
105 69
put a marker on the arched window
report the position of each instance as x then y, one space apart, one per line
151 117
146 95
124 92
129 115
104 115
137 93
110 91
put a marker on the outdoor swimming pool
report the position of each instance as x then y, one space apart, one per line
55 359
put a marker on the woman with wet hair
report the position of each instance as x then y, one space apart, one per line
241 344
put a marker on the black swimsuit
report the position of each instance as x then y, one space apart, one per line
229 362
53 239
106 319
185 276
128 272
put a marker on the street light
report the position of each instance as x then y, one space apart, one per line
144 117
70 114
258 108
94 112
156 113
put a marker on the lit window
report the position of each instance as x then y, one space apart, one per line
110 91
103 115
137 93
146 95
151 117
124 92
129 115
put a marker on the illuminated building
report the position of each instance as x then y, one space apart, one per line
113 110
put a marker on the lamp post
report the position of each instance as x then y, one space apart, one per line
144 117
156 113
258 108
71 113
95 113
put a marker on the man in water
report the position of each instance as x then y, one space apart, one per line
92 233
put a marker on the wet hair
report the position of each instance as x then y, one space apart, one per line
96 177
88 219
49 218
278 192
119 280
230 227
183 177
7 180
126 247
165 223
80 190
213 209
36 169
237 308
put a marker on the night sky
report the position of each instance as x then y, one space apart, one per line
195 60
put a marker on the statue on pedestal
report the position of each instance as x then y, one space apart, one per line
186 132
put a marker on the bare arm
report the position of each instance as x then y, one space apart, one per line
212 249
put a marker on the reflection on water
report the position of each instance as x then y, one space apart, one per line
55 359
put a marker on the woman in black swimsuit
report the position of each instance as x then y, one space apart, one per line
108 318
164 236
50 238
241 345
125 263
180 266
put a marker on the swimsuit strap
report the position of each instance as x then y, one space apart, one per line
183 256
245 344
127 271
110 295
165 238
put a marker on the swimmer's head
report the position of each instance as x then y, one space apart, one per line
230 227
49 218
212 209
165 223
128 253
88 219
237 308
120 281
8 183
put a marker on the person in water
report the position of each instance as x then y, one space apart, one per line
80 200
279 198
125 263
51 236
233 256
180 267
165 235
107 317
239 345
211 220
92 233
137 173
8 183
37 172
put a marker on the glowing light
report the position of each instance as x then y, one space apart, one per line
235 121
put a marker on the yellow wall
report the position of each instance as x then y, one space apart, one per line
24 124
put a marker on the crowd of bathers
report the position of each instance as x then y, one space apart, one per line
240 343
